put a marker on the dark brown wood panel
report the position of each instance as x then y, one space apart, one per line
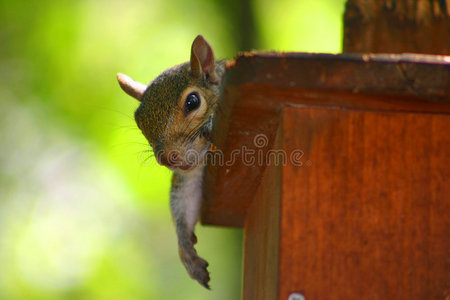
367 214
395 26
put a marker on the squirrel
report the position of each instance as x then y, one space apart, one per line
175 115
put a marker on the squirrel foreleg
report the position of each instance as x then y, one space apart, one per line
185 201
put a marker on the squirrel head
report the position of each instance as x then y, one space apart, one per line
176 109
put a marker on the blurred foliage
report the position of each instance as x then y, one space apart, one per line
83 206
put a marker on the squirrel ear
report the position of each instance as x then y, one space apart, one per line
133 88
203 61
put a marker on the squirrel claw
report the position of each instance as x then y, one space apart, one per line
200 272
196 267
205 285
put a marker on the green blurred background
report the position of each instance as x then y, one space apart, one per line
83 207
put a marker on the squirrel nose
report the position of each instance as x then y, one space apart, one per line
170 159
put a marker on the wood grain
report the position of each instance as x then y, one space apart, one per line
258 87
262 236
369 217
395 26
366 215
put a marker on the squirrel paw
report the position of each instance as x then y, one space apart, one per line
196 266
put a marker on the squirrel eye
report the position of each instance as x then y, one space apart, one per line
192 102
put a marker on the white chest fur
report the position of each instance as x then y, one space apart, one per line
188 197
